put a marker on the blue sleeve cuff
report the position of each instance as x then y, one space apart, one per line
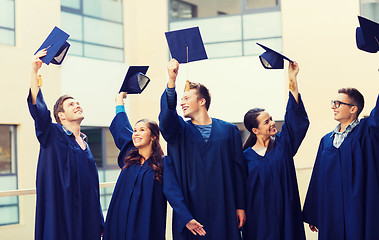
171 97
120 108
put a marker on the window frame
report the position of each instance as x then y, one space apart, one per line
80 12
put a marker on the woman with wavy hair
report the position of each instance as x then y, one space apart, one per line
273 204
138 206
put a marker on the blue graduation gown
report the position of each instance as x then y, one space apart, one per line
68 201
210 174
343 194
273 204
138 207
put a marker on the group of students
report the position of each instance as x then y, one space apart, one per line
216 186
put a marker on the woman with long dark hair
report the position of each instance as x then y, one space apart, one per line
138 207
273 205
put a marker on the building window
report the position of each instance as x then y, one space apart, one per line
95 28
7 22
105 152
370 9
9 207
239 23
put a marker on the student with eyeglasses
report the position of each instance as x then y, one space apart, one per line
343 194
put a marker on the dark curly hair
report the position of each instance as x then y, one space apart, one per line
133 157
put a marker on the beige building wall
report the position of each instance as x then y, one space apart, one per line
320 36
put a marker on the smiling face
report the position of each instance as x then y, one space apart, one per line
72 111
344 113
142 135
191 104
266 127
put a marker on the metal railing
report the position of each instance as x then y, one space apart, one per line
33 190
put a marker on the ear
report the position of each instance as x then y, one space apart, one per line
354 110
202 102
255 131
61 116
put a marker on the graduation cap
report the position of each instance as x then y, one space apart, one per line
135 80
272 59
367 35
56 46
186 45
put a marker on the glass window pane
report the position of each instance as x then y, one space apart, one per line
8 215
228 28
253 4
181 9
251 48
262 25
105 9
8 200
95 143
112 151
71 3
72 24
218 50
7 37
370 9
101 52
76 48
103 33
8 182
7 13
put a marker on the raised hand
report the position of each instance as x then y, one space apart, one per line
120 98
173 69
36 61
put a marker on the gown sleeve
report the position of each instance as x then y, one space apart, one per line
373 120
122 132
174 194
170 123
240 171
295 125
42 118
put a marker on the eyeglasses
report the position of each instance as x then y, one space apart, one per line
337 104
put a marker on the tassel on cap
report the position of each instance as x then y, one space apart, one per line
187 88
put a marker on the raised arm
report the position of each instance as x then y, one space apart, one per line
170 123
36 65
37 106
293 70
121 129
296 120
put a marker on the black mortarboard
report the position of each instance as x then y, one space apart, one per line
135 80
186 45
272 59
56 46
367 35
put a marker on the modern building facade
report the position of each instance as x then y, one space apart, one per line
107 36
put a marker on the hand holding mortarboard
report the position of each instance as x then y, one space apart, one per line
135 80
120 98
271 59
36 61
56 46
186 45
